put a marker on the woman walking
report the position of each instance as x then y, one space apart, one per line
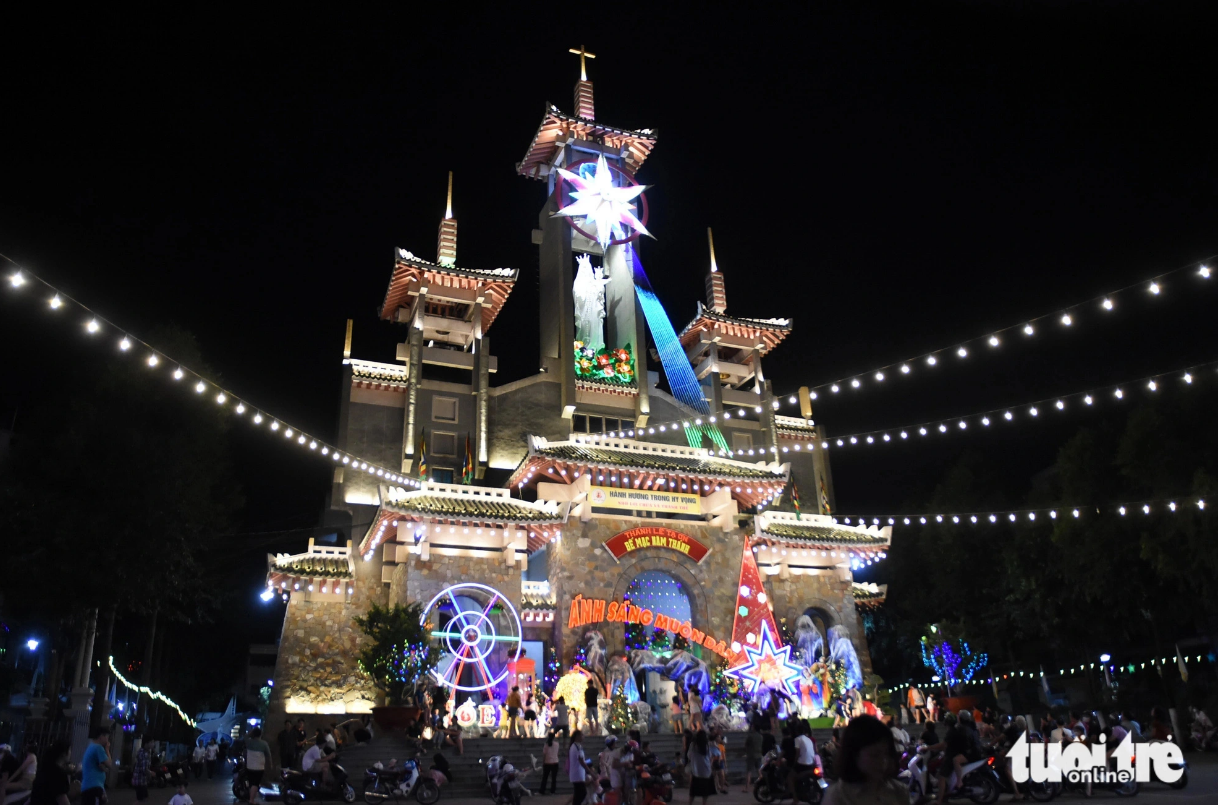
700 759
549 764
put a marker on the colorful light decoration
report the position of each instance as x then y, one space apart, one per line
952 660
681 379
767 665
154 694
605 204
469 636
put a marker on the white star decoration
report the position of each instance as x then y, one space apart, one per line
604 204
767 665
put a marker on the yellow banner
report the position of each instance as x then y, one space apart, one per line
608 497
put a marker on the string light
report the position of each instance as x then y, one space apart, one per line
1066 316
93 325
1112 666
152 693
1032 408
1170 505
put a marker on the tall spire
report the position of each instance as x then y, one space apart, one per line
583 88
716 293
446 248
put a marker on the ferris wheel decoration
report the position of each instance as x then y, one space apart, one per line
478 633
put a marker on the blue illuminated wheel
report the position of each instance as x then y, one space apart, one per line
478 633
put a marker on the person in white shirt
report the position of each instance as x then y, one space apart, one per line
211 753
315 761
181 798
577 769
806 758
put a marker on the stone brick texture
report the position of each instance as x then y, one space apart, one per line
319 643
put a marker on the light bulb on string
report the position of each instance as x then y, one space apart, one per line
178 374
17 280
1154 288
125 344
153 360
1028 329
56 303
92 326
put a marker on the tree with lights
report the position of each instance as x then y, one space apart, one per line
950 656
621 717
400 652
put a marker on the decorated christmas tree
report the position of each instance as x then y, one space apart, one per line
753 607
621 717
552 668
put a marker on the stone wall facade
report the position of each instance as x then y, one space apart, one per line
828 593
316 669
580 565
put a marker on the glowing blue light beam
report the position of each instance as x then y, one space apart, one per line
681 379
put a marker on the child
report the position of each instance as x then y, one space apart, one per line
181 798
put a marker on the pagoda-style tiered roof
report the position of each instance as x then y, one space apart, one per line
631 464
869 596
786 529
558 127
795 428
447 284
378 376
476 510
732 331
537 602
322 570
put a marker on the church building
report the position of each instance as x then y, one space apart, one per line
627 493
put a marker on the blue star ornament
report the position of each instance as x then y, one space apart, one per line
767 665
604 204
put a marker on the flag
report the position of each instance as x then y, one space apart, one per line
824 499
423 458
1180 662
1044 683
467 471
795 498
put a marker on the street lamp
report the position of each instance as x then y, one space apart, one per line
31 644
1105 657
267 594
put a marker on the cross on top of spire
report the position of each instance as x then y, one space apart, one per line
583 65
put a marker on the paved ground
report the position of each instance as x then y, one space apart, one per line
1202 788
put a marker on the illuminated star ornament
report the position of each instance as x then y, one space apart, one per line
767 665
604 204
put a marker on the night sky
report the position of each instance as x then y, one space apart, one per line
894 180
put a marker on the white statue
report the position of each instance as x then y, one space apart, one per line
589 292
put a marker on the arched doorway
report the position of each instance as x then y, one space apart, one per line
811 634
664 594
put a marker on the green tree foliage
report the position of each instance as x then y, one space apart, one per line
119 489
621 717
400 651
1068 588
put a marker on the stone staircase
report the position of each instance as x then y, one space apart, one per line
469 771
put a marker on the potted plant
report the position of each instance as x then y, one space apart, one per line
398 656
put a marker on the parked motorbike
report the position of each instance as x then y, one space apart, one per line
505 783
267 791
297 786
398 783
771 782
980 779
655 780
169 773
